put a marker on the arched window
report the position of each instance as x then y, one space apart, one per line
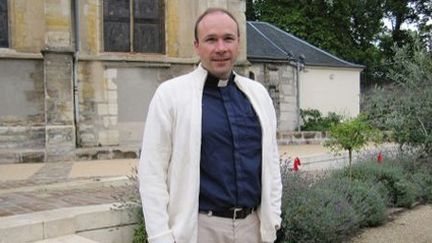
134 26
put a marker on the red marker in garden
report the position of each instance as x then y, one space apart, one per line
380 157
296 164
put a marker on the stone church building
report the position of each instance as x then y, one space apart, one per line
77 76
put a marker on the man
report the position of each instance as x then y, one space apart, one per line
209 166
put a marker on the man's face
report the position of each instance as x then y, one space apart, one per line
217 44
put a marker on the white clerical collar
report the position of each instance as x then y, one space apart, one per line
223 83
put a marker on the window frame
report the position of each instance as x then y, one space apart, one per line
162 30
7 22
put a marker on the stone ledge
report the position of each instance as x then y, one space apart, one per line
305 137
10 156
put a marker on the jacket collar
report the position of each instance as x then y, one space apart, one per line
202 76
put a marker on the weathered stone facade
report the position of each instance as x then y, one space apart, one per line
64 98
279 79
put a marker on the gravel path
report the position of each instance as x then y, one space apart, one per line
413 226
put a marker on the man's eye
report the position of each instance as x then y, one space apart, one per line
210 40
230 38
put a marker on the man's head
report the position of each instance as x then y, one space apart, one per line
217 41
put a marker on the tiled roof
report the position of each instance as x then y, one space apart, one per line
267 42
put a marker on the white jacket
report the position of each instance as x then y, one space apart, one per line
169 167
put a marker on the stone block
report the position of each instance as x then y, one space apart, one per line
113 109
119 154
32 157
114 135
58 38
8 157
24 231
102 109
286 88
297 135
110 137
112 96
106 121
87 139
110 73
4 130
113 120
68 239
58 227
111 235
60 154
309 135
111 85
238 5
22 138
103 219
60 136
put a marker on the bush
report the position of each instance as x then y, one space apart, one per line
401 192
423 185
365 197
316 213
314 121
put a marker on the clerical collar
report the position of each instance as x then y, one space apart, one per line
215 82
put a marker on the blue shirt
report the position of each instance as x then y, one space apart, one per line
230 150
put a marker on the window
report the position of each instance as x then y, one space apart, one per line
4 30
134 26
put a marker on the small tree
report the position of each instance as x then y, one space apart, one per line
351 135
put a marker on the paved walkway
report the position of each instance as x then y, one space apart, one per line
32 187
27 188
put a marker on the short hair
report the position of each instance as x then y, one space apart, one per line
214 10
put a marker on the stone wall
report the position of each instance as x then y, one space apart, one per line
279 79
22 112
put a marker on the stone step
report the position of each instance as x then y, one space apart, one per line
67 239
100 223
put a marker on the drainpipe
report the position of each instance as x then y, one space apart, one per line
76 25
297 75
299 67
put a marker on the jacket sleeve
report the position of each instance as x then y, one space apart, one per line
153 169
276 191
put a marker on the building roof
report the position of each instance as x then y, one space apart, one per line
267 42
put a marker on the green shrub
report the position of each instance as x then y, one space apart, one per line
364 196
401 192
314 121
423 185
140 234
316 213
419 173
405 193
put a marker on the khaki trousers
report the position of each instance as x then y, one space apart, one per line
212 229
